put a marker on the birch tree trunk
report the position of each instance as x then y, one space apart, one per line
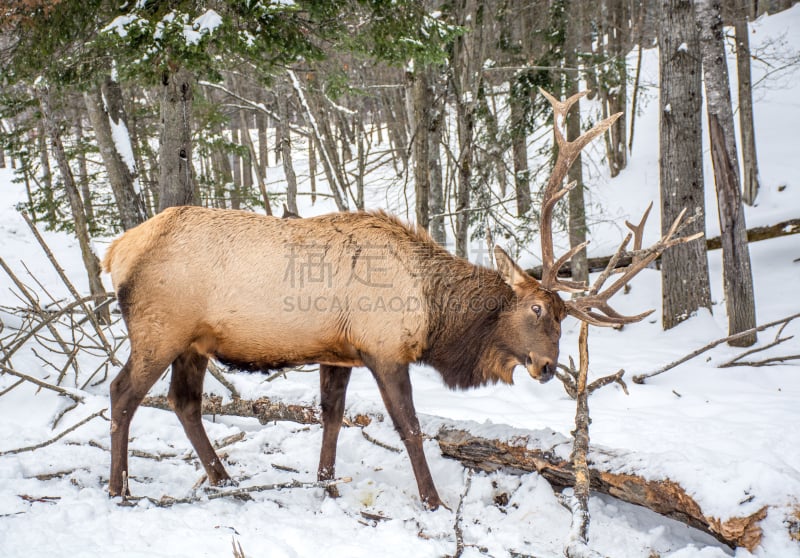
684 270
176 178
103 109
738 277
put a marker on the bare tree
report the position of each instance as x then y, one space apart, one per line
90 261
105 108
575 199
422 100
176 178
286 150
684 270
750 184
737 275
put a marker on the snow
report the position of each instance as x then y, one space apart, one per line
727 435
203 24
122 142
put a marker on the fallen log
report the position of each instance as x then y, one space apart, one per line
664 497
263 409
599 263
547 456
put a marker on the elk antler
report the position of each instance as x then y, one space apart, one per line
593 308
568 151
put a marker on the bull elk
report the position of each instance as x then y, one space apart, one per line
340 290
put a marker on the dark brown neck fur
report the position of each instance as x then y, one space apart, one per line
466 303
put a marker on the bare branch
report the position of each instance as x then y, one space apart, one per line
640 378
57 438
58 389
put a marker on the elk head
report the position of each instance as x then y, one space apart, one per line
533 322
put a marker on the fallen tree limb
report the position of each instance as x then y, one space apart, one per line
599 263
664 497
55 438
640 378
263 409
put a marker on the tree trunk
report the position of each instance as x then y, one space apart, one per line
421 100
249 167
617 97
250 161
83 170
90 261
750 184
329 165
47 176
176 178
465 123
361 155
312 170
104 106
286 152
737 275
684 274
519 152
436 185
575 198
263 146
466 83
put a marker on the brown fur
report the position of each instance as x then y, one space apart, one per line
341 290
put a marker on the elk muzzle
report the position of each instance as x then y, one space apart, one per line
540 368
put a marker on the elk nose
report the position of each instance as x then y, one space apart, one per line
548 371
542 369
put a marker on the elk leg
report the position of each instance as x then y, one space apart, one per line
127 391
185 398
333 388
395 387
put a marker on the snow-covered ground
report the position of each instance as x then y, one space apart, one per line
727 435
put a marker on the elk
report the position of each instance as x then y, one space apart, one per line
339 290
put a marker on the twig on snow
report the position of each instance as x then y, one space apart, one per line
378 443
56 438
58 389
168 501
459 513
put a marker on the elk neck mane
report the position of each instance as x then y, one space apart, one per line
465 306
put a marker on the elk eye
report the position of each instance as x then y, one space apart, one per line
537 310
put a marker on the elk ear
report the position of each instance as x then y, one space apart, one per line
510 271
